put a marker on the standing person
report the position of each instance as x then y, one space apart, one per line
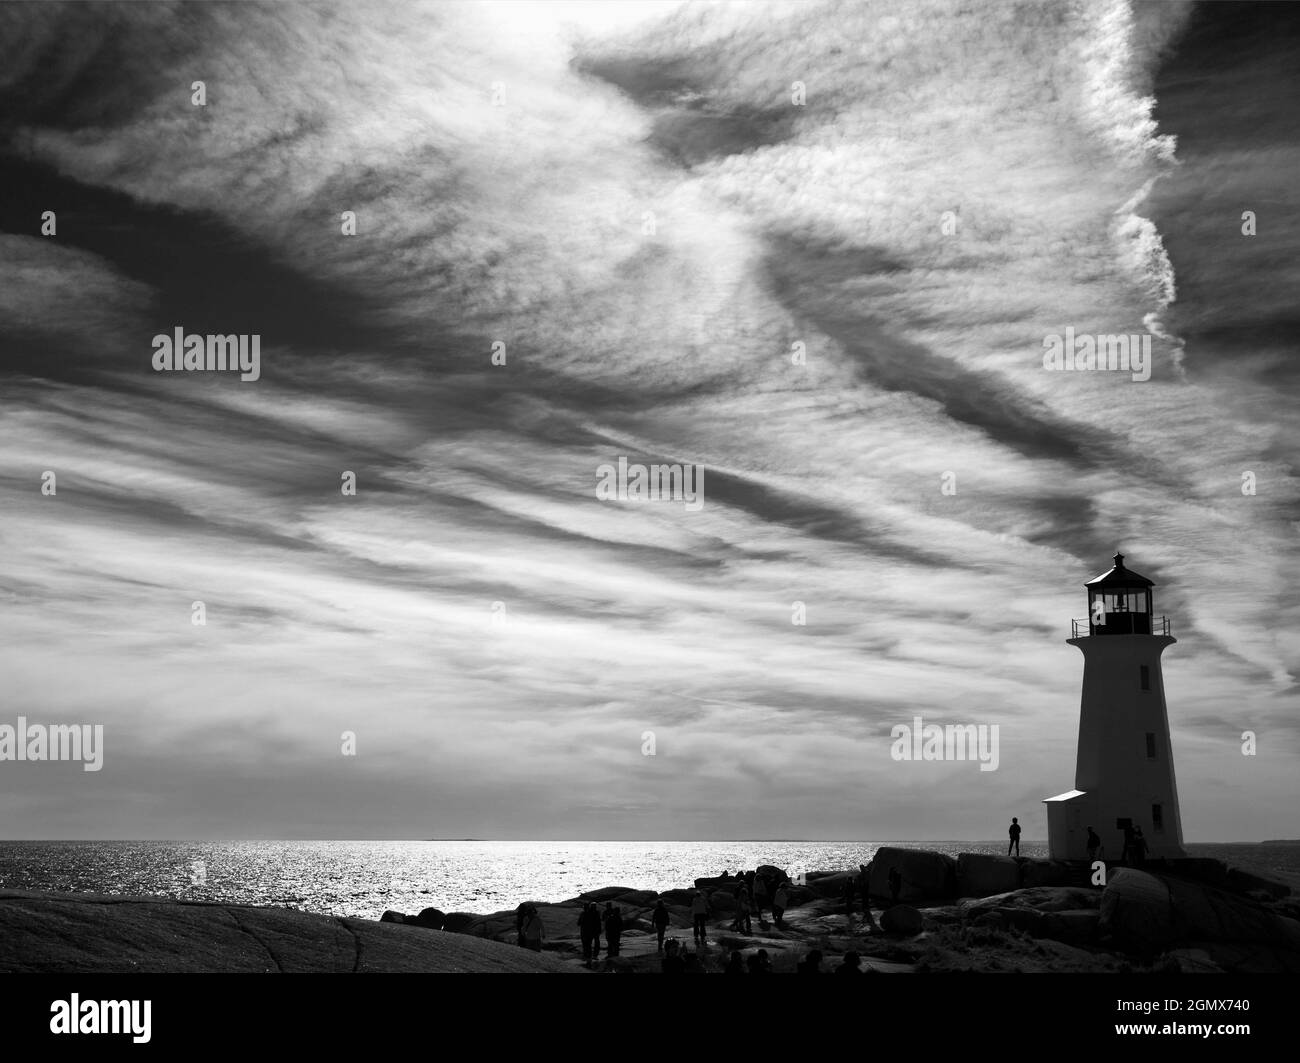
895 885
613 928
521 917
589 931
743 925
534 931
1094 843
760 897
1013 832
700 915
780 902
1139 846
1127 851
659 920
864 883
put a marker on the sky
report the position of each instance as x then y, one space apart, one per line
814 248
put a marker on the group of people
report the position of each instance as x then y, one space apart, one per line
592 921
754 894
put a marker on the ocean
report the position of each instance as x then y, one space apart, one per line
363 878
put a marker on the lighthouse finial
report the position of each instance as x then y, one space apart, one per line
1119 560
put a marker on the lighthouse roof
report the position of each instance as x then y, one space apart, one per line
1119 576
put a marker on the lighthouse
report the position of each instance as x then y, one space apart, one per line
1124 775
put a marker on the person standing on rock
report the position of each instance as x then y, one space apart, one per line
780 902
864 883
700 915
1127 851
895 885
760 897
521 917
1014 832
1139 846
613 928
659 920
589 931
743 925
1094 843
534 931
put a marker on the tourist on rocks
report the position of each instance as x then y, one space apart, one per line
1013 832
659 919
700 915
811 964
1139 846
760 897
589 931
534 931
780 902
1094 843
672 963
895 884
613 928
521 917
851 964
742 924
735 965
864 884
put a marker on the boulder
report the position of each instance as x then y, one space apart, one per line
829 886
624 895
430 917
1244 882
927 875
721 900
901 919
801 895
674 898
458 922
1151 912
1075 925
1050 873
773 872
706 884
392 917
979 875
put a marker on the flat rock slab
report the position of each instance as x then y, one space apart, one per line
86 933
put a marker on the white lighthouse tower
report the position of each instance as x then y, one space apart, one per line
1124 776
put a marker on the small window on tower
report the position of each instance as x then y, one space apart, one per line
1151 746
1158 817
1144 676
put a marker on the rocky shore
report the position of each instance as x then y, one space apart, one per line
972 913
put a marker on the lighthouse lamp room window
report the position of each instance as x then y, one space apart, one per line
1124 785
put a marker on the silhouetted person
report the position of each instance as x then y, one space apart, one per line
725 874
521 917
672 962
1094 843
613 928
534 931
589 931
700 915
735 965
743 924
811 964
1139 846
780 902
1013 832
760 963
864 884
659 919
1127 851
760 897
850 964
895 885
